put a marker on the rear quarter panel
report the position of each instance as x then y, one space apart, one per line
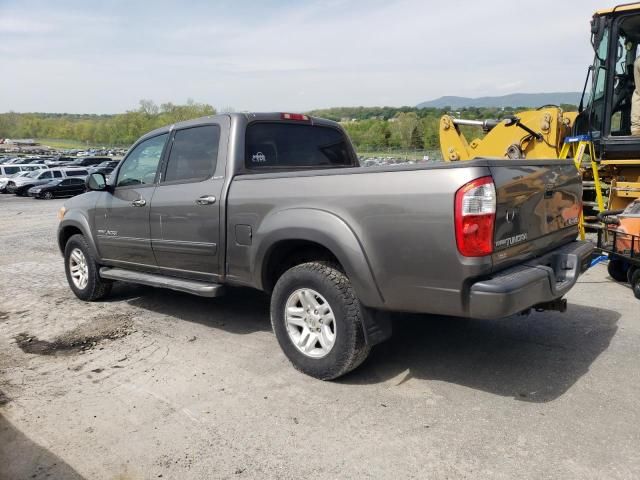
402 220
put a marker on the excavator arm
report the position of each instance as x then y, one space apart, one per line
528 134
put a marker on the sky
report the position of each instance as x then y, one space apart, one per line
82 56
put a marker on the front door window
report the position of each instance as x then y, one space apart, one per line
141 166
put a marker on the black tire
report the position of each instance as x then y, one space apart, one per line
630 271
350 348
96 288
47 195
635 283
618 269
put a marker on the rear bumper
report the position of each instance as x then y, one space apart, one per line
539 280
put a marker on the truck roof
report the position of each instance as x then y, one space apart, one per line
244 117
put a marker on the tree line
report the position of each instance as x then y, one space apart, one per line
369 127
407 127
113 130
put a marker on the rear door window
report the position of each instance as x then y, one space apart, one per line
11 170
280 145
194 153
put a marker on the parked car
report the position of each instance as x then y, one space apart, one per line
21 185
21 161
5 180
75 172
88 161
104 167
8 170
61 187
278 202
59 161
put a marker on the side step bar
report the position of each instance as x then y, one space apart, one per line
194 287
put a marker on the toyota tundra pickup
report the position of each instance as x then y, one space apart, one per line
279 202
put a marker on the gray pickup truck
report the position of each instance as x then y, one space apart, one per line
278 202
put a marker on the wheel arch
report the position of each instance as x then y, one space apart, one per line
312 234
73 224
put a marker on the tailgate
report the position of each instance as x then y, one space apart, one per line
538 206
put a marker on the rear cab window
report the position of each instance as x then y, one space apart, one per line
288 146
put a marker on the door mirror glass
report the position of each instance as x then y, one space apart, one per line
96 181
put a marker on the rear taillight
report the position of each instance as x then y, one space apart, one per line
475 216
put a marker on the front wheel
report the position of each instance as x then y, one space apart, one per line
48 195
82 271
317 320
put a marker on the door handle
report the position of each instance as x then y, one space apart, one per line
141 202
206 200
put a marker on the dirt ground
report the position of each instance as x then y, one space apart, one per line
158 384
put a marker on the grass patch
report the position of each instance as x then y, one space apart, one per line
64 144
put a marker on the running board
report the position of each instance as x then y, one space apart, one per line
194 287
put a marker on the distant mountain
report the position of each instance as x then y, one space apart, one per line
528 100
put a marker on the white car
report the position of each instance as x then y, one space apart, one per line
5 180
8 170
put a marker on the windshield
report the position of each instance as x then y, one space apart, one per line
33 174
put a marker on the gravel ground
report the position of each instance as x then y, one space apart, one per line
158 384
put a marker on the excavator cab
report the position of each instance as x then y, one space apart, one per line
607 115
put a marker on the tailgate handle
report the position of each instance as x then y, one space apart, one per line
548 193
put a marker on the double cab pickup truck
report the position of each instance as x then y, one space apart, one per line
279 202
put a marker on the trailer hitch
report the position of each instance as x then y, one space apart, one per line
557 305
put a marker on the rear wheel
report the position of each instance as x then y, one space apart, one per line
635 283
82 271
317 320
618 269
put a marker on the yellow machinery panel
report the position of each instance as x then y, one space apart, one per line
508 138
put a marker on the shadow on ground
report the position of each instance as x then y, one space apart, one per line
240 310
21 458
535 359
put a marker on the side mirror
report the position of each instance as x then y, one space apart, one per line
96 181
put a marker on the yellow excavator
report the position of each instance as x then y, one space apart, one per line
601 129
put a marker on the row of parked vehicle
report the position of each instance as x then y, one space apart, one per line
50 177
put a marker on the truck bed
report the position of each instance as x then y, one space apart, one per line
402 217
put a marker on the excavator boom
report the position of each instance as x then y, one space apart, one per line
528 134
